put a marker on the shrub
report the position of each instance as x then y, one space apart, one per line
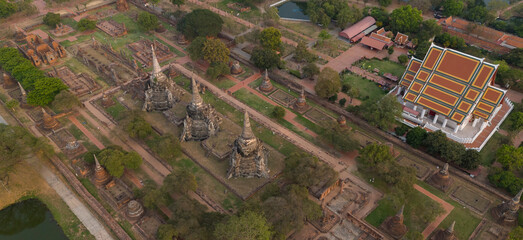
278 112
86 24
52 19
342 102
401 129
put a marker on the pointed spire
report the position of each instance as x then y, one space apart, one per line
450 229
517 197
157 70
196 99
97 164
266 75
247 131
21 89
400 212
45 114
445 169
302 95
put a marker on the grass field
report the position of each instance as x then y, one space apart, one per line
117 110
385 66
367 88
488 153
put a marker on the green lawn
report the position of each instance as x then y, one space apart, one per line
223 83
368 90
117 110
488 153
253 101
385 66
420 210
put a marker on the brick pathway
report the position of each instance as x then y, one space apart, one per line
86 132
446 206
244 83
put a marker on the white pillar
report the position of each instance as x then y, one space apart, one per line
423 113
415 107
475 122
484 124
435 119
456 129
399 90
444 123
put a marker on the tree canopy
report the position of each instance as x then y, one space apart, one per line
14 144
180 181
306 170
452 7
405 19
45 89
215 51
270 38
265 58
136 126
85 24
148 21
178 3
510 157
247 226
340 137
116 160
382 113
52 19
217 69
325 11
6 8
200 23
278 112
416 137
65 101
328 84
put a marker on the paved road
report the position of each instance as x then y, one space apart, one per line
79 209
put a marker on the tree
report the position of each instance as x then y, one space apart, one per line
14 144
496 5
85 24
65 101
167 147
328 84
510 157
246 226
180 181
514 57
310 70
215 50
302 54
116 160
390 50
136 126
45 89
166 232
155 198
353 93
401 130
478 14
52 19
154 2
195 48
265 58
271 38
405 19
12 104
384 3
429 29
6 8
422 5
470 159
178 3
436 142
383 113
342 102
340 137
278 112
403 58
416 137
516 233
452 7
324 35
148 21
217 69
517 121
306 170
422 49
200 23
348 15
374 154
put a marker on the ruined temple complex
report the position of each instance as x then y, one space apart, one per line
201 120
507 213
157 95
249 156
40 51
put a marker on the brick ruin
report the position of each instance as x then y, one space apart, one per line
62 30
142 52
38 50
79 84
112 28
122 5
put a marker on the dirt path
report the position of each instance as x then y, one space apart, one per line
446 206
86 132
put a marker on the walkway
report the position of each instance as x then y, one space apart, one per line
86 132
446 206
357 52
77 207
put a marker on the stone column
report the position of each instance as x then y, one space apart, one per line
444 123
475 122
399 90
456 129
484 124
415 107
423 114
435 119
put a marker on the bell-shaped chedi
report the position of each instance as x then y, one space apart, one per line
266 85
134 210
9 82
236 68
445 234
50 123
441 179
249 157
394 225
342 121
107 101
101 177
507 212
301 102
201 121
157 95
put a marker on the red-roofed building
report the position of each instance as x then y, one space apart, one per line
358 28
401 39
453 92
481 36
377 41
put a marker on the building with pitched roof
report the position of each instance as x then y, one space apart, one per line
359 29
481 36
401 39
378 40
453 92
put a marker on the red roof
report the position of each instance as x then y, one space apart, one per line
409 110
373 43
401 38
358 27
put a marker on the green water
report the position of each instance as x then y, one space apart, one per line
27 220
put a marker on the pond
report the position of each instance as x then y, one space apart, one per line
293 11
29 219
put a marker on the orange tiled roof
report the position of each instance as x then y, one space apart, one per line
401 38
453 84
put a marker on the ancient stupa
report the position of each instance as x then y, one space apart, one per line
236 68
441 179
445 234
201 121
342 121
157 95
101 177
301 103
9 82
249 156
507 212
394 225
266 85
134 210
106 100
49 122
